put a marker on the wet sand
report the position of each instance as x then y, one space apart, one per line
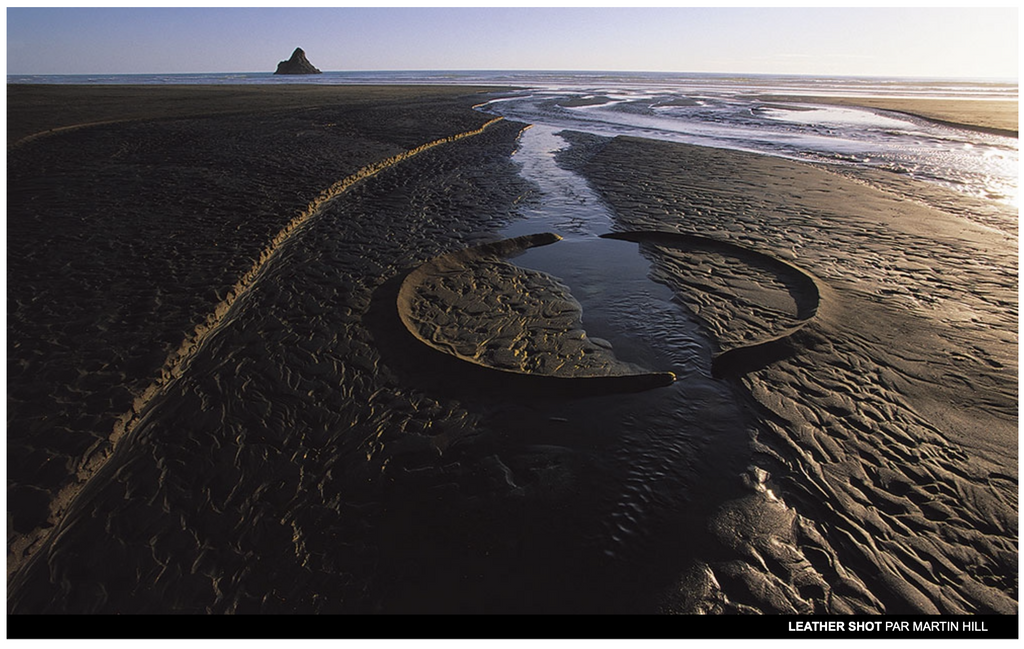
205 417
304 455
37 110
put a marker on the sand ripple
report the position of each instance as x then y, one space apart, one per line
887 465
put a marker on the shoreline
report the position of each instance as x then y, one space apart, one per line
996 117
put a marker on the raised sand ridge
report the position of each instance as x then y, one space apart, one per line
474 306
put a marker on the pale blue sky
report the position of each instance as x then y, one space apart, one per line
859 41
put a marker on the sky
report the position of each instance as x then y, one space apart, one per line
894 42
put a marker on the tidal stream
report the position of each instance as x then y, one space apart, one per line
680 450
610 279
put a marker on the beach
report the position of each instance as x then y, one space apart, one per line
896 400
218 401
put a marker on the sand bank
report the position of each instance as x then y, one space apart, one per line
998 117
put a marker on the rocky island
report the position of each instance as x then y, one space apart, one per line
297 64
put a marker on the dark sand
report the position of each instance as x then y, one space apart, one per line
207 417
126 237
35 110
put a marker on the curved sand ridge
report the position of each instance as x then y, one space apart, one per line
472 305
802 286
178 360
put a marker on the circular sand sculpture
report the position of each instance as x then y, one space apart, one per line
804 288
474 306
478 308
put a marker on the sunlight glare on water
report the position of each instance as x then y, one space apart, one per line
733 117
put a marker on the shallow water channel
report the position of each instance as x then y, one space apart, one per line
610 279
679 450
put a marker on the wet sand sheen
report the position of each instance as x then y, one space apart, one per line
311 459
998 117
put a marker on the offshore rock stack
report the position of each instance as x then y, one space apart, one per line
297 64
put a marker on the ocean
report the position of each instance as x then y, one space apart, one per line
575 80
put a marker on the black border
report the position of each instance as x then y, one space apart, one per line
606 627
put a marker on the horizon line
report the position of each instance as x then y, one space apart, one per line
999 79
